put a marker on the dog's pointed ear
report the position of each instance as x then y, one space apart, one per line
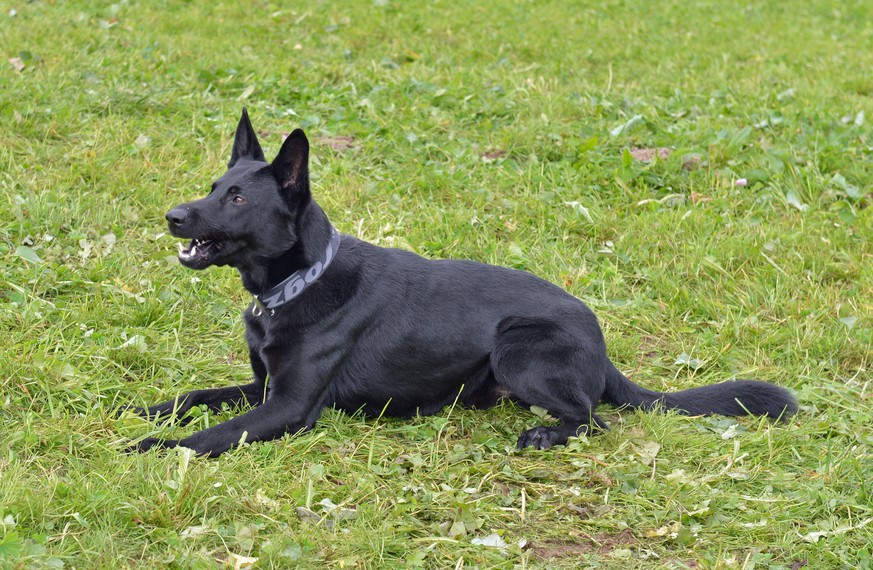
291 165
245 143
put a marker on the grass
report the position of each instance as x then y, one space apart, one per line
499 132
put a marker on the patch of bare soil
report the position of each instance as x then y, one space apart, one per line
493 154
647 154
601 543
338 143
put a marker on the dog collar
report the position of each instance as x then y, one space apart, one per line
297 282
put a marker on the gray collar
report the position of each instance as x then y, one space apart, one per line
294 284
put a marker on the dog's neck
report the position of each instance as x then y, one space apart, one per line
314 233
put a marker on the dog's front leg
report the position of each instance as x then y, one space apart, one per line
272 419
214 398
298 391
234 396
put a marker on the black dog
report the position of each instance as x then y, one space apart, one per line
339 322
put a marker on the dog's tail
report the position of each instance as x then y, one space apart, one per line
733 398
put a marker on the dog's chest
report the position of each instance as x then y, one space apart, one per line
256 329
273 334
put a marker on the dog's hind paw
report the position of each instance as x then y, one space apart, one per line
542 437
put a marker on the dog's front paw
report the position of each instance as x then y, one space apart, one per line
150 442
168 412
129 409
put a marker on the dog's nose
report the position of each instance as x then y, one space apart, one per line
177 216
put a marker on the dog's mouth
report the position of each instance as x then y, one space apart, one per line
199 253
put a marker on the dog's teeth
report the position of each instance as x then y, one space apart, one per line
181 249
193 250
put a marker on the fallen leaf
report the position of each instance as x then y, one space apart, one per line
493 540
730 432
194 531
17 64
685 360
671 529
108 242
261 499
457 529
794 200
580 209
137 341
632 122
308 515
814 536
849 321
787 94
27 253
647 451
240 562
246 93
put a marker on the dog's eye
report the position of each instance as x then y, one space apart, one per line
239 199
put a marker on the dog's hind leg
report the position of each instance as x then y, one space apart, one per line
544 366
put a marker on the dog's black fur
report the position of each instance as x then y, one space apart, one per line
384 330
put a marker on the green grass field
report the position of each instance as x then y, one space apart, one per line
511 132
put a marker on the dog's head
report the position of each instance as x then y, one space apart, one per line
252 212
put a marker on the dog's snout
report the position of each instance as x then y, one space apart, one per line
177 216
